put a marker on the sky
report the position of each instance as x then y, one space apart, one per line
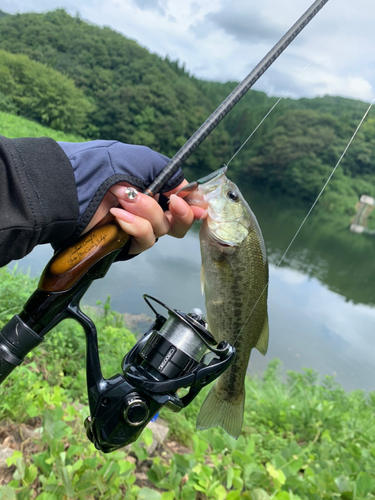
223 40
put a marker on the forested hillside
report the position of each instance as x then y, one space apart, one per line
40 93
134 96
138 97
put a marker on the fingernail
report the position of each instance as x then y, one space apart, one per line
123 215
131 194
204 215
179 205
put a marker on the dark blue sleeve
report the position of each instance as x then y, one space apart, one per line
98 165
38 197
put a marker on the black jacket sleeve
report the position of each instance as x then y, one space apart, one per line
38 196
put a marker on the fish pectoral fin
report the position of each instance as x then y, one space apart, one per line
202 279
262 344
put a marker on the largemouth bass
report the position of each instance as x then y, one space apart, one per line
234 279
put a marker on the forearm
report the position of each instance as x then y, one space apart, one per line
50 192
38 197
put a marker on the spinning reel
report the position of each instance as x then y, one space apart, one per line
170 356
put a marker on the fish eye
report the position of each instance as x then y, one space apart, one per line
233 195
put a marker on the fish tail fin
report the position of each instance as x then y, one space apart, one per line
226 413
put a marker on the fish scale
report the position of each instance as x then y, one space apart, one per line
234 280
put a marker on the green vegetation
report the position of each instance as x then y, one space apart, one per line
39 92
302 439
137 97
16 126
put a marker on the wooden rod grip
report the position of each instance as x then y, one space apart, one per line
68 265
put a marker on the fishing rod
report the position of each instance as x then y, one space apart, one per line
204 130
171 354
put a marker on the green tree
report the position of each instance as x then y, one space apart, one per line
42 94
124 81
142 98
297 156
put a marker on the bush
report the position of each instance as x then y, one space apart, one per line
41 93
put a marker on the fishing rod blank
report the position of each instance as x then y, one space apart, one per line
195 140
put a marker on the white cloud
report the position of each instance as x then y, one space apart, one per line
153 5
288 275
239 21
223 40
323 82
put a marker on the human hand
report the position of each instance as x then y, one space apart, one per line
143 218
103 170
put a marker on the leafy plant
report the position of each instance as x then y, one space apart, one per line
302 439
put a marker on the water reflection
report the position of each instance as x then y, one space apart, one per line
324 249
320 298
314 327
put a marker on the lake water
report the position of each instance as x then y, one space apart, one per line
321 298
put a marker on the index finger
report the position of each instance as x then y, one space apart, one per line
173 191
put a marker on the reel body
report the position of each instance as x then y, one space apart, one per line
170 356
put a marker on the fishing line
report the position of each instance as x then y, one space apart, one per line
320 49
266 116
256 128
308 213
326 183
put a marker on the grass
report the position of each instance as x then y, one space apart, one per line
12 126
301 439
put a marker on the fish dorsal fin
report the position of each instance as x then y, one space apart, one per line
262 344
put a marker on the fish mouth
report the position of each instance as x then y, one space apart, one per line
208 179
221 243
225 245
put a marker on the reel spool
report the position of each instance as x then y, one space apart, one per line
176 352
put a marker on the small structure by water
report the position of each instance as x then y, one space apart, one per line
364 207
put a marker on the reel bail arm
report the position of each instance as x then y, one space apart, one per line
169 357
